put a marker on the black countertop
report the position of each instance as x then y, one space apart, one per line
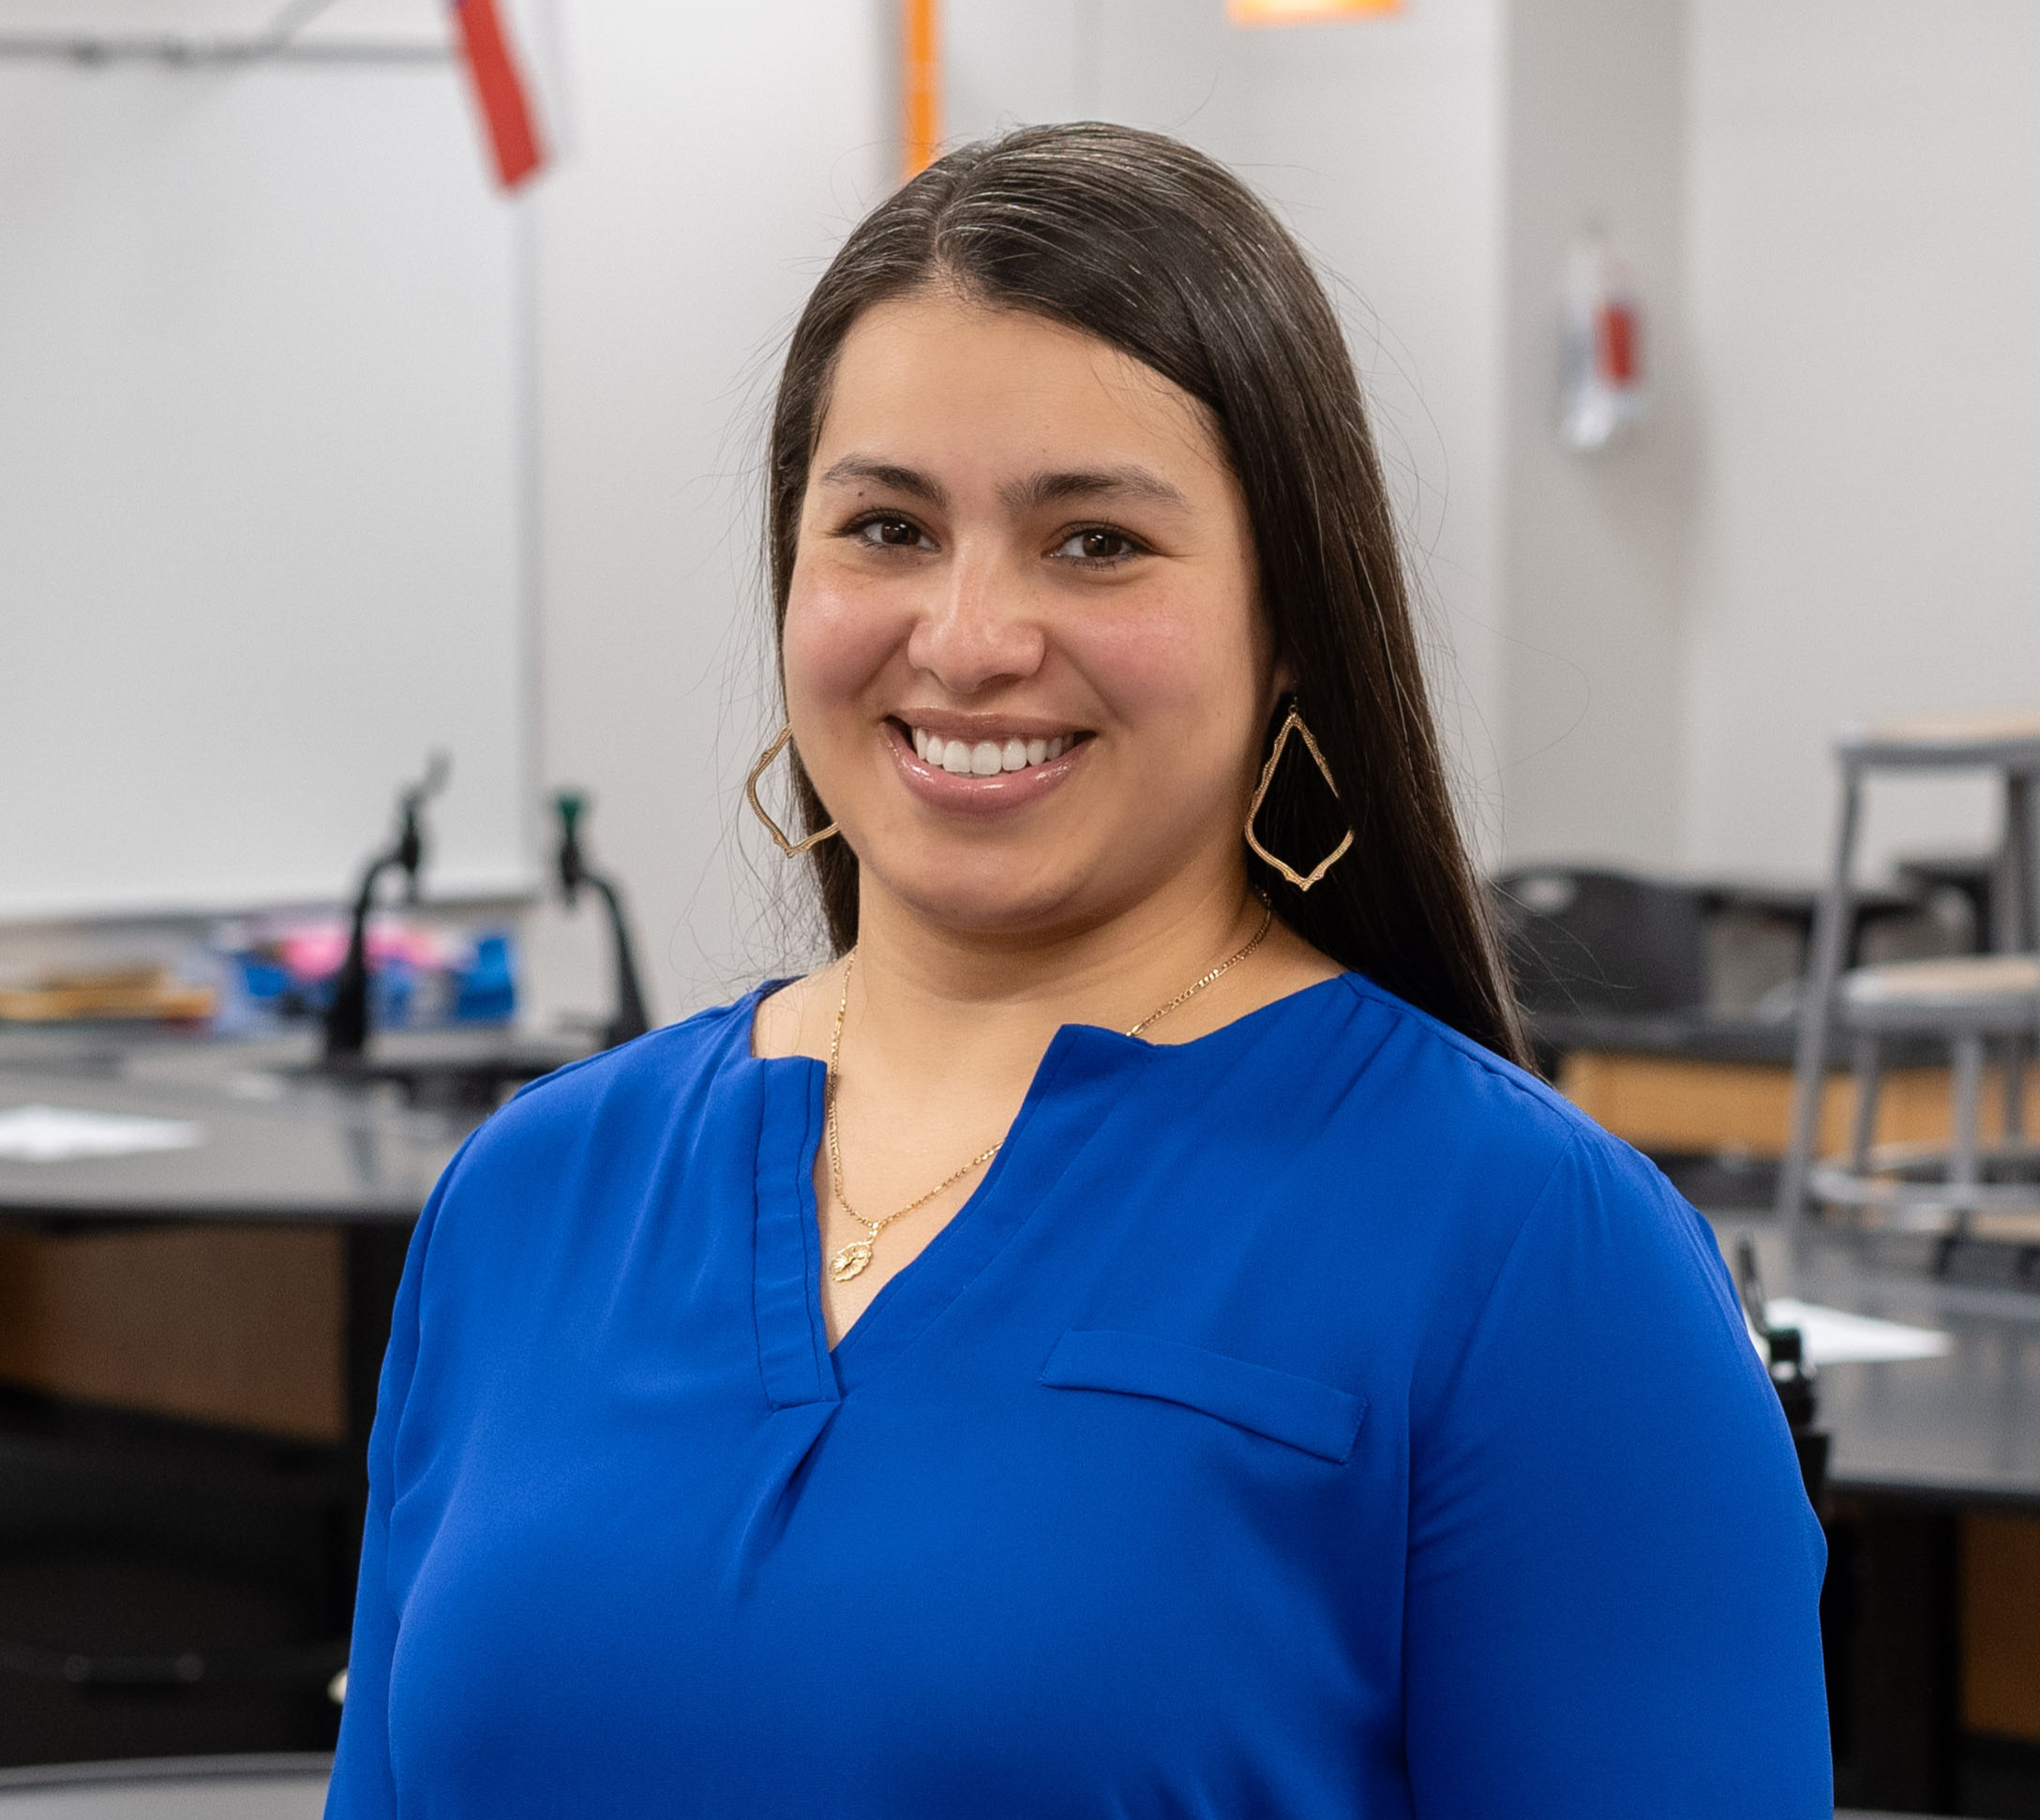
1963 1428
278 1141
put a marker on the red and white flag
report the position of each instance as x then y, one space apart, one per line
512 66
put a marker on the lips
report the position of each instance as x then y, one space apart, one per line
978 766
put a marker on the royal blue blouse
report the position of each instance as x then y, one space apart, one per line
1318 1418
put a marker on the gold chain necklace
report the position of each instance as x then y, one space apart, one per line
852 1259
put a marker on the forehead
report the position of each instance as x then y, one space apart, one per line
965 384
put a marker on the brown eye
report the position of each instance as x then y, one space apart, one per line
1097 546
894 534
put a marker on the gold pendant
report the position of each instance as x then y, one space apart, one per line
850 1261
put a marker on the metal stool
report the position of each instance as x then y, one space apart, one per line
1969 1002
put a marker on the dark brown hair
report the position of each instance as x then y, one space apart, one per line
1156 250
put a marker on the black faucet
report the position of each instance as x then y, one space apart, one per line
630 1018
347 1013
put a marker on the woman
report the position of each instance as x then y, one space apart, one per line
1125 1338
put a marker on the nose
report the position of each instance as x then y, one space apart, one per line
977 627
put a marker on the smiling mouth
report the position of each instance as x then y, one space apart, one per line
986 757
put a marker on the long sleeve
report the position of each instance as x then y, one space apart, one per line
362 1787
1613 1575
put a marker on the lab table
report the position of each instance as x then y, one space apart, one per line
281 1138
279 1141
1919 1447
1963 1429
261 1136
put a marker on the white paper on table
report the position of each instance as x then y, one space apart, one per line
56 1133
1833 1336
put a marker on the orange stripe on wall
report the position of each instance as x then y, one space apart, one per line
920 84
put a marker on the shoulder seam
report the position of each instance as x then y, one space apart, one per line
1517 1080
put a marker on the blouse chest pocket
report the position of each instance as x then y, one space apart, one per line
1300 1412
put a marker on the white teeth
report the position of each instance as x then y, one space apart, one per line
985 758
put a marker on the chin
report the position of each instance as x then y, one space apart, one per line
996 900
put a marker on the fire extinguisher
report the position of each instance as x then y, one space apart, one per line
1601 388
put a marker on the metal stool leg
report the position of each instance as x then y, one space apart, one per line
1870 1079
1969 1090
1810 1060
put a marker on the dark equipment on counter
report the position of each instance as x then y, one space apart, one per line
1596 943
1792 1373
347 1016
1617 963
630 1018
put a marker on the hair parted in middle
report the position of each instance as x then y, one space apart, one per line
1163 253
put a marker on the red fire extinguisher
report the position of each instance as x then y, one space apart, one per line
1601 376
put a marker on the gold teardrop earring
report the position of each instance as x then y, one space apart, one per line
789 848
1293 723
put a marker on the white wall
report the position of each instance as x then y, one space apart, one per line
722 153
1592 568
1866 302
259 538
1830 517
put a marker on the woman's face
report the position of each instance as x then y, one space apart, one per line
1024 662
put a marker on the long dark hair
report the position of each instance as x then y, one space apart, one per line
1153 248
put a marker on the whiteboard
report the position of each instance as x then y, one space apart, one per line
265 468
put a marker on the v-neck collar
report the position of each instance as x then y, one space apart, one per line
1081 1077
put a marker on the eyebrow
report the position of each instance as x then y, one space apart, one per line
1049 489
910 481
1095 483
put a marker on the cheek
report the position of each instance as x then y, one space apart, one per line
839 634
1185 667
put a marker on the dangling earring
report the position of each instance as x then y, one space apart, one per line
1293 723
789 848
